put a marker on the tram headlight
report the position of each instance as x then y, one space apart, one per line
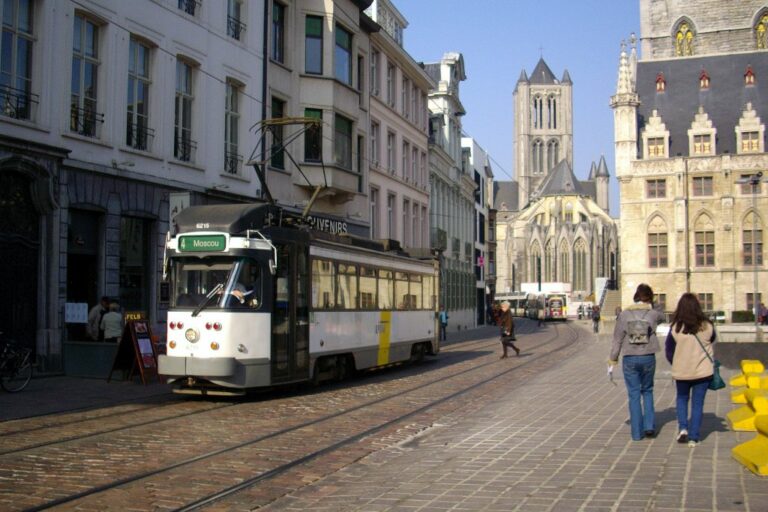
192 335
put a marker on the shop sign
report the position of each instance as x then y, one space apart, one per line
202 243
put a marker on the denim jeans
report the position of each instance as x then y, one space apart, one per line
697 390
638 376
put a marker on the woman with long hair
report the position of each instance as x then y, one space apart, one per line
690 335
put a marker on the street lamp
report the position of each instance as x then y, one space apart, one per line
754 183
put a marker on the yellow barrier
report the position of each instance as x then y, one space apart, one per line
754 381
754 453
743 418
751 366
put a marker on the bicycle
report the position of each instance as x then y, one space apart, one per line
15 366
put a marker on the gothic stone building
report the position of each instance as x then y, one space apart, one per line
550 225
690 140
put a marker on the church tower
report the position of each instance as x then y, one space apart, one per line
543 127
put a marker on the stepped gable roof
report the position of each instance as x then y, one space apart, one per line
542 75
566 78
505 192
561 181
602 169
723 101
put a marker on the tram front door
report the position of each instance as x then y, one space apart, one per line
290 317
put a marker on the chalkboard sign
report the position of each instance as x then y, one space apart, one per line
136 352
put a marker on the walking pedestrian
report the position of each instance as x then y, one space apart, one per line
507 325
595 318
635 335
690 335
443 318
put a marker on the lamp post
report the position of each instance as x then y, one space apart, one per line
754 183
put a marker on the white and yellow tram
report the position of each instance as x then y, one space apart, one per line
260 299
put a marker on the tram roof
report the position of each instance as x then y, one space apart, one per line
230 218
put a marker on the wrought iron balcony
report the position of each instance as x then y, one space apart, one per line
184 148
235 27
85 121
139 136
232 163
189 6
17 103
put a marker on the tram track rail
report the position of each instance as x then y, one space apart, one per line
333 446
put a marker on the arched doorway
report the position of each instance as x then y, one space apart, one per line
19 248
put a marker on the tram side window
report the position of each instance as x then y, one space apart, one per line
367 288
429 296
386 289
323 279
346 287
401 291
415 298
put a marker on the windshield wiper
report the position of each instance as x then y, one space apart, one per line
207 299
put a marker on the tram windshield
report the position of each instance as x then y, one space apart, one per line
239 280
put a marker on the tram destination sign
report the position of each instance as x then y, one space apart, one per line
202 243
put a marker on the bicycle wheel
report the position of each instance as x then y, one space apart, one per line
15 379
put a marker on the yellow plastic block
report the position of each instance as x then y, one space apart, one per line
743 418
742 379
738 396
757 380
751 366
754 453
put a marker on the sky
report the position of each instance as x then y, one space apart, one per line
500 38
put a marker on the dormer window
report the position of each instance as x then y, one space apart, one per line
750 131
704 79
661 83
749 76
656 147
655 137
702 144
702 135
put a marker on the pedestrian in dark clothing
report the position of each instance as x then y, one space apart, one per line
443 317
595 318
507 325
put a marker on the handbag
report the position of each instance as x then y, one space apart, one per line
717 381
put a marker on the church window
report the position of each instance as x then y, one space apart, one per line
656 147
549 262
538 112
704 79
657 243
552 154
580 265
684 40
752 241
702 144
702 186
750 142
551 112
761 32
537 156
565 274
749 76
535 273
568 217
661 83
655 189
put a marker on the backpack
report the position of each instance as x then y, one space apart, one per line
639 331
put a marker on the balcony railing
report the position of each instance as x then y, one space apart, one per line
232 163
139 136
235 27
17 103
85 121
189 6
184 149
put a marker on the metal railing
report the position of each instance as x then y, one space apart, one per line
85 121
232 163
139 136
17 103
189 6
184 149
235 27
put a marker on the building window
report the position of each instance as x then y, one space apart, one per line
278 32
761 31
657 250
537 158
374 75
656 147
702 186
313 137
750 142
391 216
313 45
391 152
405 98
415 165
684 40
138 135
751 304
277 153
549 262
343 55
184 146
747 186
342 142
580 265
553 150
705 248
189 6
538 112
83 118
705 299
16 60
752 241
703 79
375 142
232 158
702 144
655 189
390 85
551 113
406 225
661 82
374 213
415 231
565 272
661 301
135 242
235 25
406 165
